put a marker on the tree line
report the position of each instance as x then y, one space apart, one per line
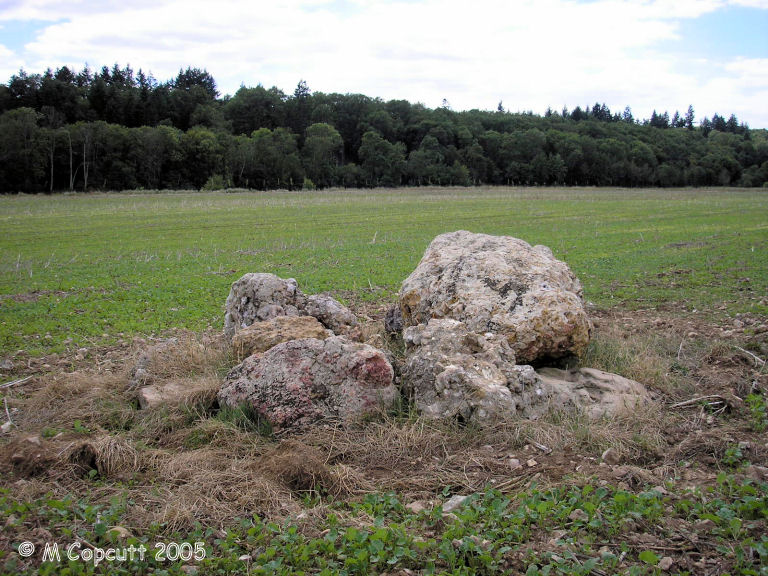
115 129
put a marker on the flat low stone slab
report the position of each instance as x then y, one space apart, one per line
261 336
159 395
598 393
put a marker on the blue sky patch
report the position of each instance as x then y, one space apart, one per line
14 34
724 34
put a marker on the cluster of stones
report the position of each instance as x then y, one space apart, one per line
475 315
303 359
477 312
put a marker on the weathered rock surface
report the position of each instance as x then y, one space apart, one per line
393 320
259 296
157 395
141 374
474 307
502 285
452 372
261 336
454 503
334 315
303 381
596 392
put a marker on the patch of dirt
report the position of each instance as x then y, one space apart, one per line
688 245
27 456
35 295
725 357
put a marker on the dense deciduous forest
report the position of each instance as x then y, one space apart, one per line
117 130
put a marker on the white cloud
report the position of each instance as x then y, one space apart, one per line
528 53
9 62
762 4
53 10
745 85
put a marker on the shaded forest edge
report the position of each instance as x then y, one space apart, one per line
116 130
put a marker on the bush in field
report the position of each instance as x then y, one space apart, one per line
215 182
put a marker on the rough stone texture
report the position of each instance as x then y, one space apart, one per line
598 393
303 381
418 506
258 296
393 320
452 372
503 285
160 395
141 373
611 456
334 315
454 503
261 336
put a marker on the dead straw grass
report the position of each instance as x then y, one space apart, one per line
111 456
642 353
186 354
94 399
188 466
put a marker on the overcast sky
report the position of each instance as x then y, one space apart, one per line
529 54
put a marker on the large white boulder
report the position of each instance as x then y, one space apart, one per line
502 285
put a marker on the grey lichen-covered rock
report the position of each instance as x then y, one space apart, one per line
334 315
257 297
595 392
300 382
452 372
261 336
142 374
502 285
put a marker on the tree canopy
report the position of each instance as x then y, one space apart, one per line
117 129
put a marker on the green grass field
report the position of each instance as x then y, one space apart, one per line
81 267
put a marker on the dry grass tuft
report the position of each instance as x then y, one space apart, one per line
95 399
215 498
213 433
645 356
637 435
202 392
304 470
416 457
211 485
158 427
179 468
187 354
110 456
192 392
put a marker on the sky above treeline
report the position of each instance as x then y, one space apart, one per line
651 54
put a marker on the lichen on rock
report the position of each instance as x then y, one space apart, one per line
502 285
301 382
